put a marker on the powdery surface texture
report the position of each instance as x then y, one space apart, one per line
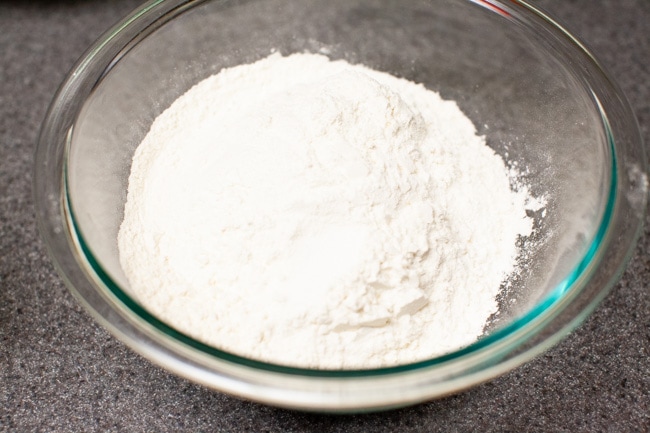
319 214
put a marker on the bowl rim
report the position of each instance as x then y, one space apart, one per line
126 319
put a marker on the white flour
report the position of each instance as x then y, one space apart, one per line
312 213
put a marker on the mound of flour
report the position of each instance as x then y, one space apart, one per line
315 213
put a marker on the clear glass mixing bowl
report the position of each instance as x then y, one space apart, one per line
531 88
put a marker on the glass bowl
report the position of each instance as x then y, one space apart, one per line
540 98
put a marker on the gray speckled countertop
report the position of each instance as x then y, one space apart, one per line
61 372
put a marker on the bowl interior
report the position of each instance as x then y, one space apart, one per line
521 91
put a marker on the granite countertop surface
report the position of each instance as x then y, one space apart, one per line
61 372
